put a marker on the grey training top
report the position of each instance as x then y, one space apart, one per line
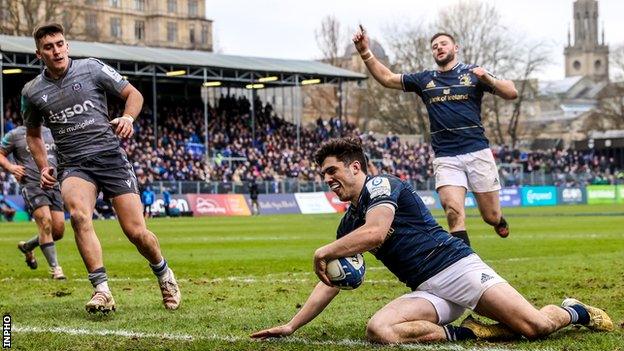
14 142
74 107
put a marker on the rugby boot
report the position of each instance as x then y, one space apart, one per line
57 273
599 320
30 256
502 228
484 331
101 301
170 291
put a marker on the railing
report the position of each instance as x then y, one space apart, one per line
511 175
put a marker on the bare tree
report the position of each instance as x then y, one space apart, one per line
533 60
24 15
330 39
617 63
609 113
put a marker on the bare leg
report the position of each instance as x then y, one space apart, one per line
452 199
503 303
405 320
130 215
43 218
79 197
489 206
58 224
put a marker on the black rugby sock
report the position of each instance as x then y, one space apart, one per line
462 234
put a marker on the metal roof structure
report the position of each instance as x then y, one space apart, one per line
19 52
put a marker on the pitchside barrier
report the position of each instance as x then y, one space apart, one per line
327 202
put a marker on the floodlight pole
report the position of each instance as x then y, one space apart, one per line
297 92
154 108
253 115
206 117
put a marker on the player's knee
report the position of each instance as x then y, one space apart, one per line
45 225
79 219
58 230
379 332
454 211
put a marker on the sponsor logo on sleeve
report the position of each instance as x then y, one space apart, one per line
110 71
378 186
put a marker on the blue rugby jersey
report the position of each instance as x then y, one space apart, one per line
453 101
416 247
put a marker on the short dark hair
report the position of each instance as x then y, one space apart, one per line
47 29
440 34
346 150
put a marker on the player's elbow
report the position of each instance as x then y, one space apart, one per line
512 94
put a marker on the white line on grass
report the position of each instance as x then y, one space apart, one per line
215 337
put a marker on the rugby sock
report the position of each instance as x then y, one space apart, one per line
49 251
32 243
462 234
99 279
454 333
161 270
578 314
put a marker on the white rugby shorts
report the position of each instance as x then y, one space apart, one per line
457 287
475 171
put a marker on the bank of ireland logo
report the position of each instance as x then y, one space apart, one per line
76 86
446 91
465 79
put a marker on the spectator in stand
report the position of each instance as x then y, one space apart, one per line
147 198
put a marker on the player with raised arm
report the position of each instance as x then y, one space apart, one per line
388 219
44 205
69 96
452 95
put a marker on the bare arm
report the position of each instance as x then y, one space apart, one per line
320 297
503 88
367 237
132 109
40 155
17 170
378 70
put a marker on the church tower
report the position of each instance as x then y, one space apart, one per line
587 56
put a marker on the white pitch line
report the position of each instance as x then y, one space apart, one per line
215 337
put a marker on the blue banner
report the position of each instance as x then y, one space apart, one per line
510 197
430 198
276 203
470 201
539 195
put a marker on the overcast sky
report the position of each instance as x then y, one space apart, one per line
285 28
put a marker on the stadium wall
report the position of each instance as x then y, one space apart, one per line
327 202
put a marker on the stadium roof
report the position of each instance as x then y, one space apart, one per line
138 60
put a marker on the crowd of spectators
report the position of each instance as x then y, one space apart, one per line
268 151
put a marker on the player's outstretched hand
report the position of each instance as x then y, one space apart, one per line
360 39
18 172
275 332
48 177
123 126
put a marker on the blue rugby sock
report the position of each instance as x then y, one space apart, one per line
578 314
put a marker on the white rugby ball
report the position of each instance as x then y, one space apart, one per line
346 273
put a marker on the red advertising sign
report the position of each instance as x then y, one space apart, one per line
336 203
218 205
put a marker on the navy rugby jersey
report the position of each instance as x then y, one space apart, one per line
453 100
416 247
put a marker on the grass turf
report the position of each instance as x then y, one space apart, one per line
239 275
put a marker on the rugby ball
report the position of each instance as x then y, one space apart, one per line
346 273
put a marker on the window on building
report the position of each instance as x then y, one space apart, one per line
172 31
139 30
204 34
172 6
91 23
139 5
192 8
115 27
114 3
92 2
192 34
